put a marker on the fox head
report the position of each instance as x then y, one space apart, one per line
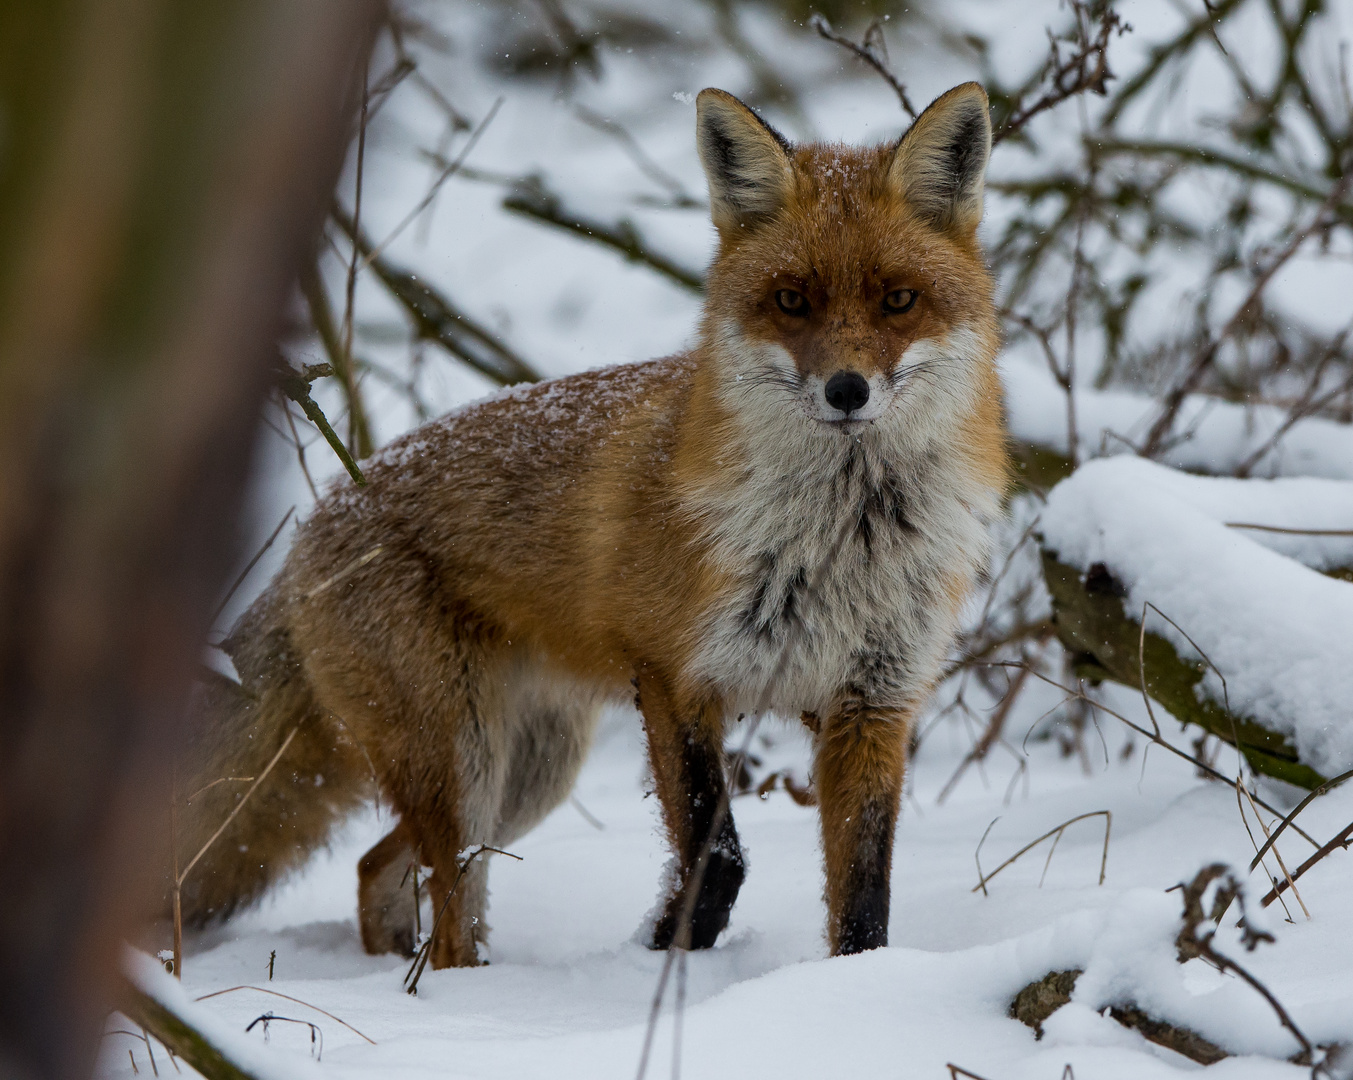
849 291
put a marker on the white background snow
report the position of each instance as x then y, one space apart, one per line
569 988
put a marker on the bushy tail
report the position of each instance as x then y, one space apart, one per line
318 779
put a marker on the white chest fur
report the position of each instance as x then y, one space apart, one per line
846 550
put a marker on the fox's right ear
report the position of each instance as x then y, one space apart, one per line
745 159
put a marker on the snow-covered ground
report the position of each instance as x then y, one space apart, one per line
569 989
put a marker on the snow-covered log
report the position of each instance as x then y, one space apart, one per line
1124 536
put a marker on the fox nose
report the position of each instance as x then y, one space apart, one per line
847 391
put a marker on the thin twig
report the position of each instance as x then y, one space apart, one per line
296 386
1086 69
177 891
340 364
219 780
437 320
696 877
1103 862
643 162
1174 398
238 807
1328 785
1341 841
350 293
989 737
346 572
871 52
1291 532
300 452
449 171
288 997
533 200
251 564
420 961
1291 884
1156 740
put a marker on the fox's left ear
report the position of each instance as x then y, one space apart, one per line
941 162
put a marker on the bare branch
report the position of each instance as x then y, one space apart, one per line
873 51
532 199
437 320
1085 69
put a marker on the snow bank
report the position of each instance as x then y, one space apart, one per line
1221 434
1279 630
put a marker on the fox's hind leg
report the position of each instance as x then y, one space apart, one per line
385 894
685 747
411 689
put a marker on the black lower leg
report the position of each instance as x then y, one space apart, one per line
712 862
864 914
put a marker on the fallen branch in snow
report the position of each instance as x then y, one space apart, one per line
1106 643
1040 999
1191 943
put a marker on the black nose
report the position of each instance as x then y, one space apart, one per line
847 391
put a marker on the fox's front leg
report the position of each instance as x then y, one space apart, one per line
860 762
685 747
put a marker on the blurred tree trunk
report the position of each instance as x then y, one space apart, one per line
164 169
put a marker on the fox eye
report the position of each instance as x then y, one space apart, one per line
792 303
899 300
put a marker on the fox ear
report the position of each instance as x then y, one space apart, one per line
745 159
941 162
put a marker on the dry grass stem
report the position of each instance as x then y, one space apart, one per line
1156 740
1339 842
420 961
343 574
288 997
178 883
1057 832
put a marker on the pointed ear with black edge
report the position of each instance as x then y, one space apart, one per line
941 163
745 159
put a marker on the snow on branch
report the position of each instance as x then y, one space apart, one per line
1124 535
159 1004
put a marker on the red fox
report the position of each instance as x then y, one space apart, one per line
787 517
